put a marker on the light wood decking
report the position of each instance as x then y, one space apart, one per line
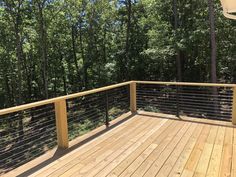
149 145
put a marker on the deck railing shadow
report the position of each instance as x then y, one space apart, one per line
223 123
77 144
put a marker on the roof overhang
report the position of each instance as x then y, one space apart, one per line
229 8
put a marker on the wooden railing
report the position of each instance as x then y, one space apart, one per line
28 122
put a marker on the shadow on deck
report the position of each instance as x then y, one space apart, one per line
144 144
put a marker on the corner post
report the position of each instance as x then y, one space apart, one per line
61 123
234 106
133 100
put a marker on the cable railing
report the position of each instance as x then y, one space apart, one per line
25 135
91 111
211 101
30 130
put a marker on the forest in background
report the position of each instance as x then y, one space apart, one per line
55 47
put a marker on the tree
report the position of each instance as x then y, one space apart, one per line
43 48
213 41
178 58
52 48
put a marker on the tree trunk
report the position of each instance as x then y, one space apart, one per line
43 46
63 71
213 55
9 98
178 58
27 74
73 37
104 44
127 44
213 41
15 13
85 72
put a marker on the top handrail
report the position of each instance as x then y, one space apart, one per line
66 97
187 84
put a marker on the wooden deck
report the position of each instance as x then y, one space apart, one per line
149 145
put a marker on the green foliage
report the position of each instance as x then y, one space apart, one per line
68 46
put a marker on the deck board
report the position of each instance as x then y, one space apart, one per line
126 164
151 144
171 160
90 167
214 162
102 147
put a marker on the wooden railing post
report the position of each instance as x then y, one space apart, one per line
234 106
61 123
133 101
